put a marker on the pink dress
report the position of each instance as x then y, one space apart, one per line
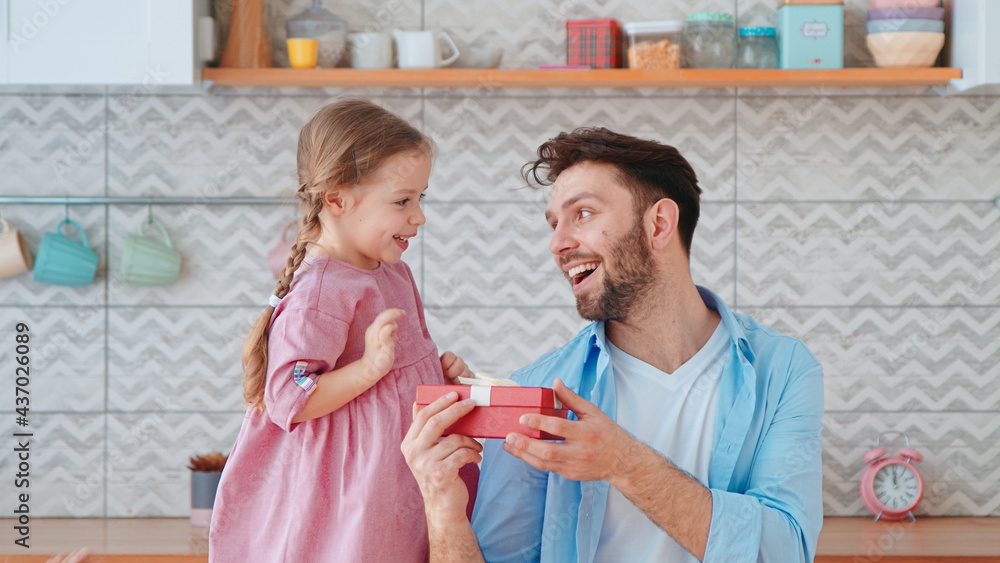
334 488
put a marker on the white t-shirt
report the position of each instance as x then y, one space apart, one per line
673 413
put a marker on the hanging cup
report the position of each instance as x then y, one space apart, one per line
147 261
277 257
15 257
63 261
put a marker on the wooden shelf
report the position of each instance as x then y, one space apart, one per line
595 78
928 540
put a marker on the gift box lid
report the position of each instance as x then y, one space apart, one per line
492 396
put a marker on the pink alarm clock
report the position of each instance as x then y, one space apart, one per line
891 487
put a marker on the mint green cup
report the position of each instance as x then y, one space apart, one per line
149 262
63 261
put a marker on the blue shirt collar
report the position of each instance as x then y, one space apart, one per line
596 335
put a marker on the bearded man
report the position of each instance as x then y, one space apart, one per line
695 433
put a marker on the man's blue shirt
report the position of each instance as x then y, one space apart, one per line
766 470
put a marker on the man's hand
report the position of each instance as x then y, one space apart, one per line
435 463
453 368
595 447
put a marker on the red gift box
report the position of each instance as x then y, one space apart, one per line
594 43
498 409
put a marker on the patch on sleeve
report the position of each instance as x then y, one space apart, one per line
301 379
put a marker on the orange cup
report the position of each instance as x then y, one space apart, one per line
302 52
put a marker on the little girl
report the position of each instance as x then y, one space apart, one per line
332 366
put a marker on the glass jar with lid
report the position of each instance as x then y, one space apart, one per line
758 48
316 22
708 40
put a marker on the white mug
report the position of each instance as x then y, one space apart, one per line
422 49
370 50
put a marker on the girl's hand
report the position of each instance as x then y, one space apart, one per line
380 345
453 368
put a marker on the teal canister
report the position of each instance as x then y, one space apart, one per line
147 261
811 36
63 261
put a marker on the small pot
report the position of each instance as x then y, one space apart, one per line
203 487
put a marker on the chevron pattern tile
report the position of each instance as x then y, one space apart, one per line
858 220
712 250
148 456
51 112
868 254
494 254
177 358
885 149
67 464
52 145
497 255
483 142
499 340
34 221
213 146
960 468
223 253
892 359
66 352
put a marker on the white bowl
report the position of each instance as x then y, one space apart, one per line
479 57
905 48
898 25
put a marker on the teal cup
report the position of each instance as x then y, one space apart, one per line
147 261
63 261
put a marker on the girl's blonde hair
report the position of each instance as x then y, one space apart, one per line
342 144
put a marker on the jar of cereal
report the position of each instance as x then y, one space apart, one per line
653 45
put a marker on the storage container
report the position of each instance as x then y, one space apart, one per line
708 40
758 48
811 35
653 45
594 43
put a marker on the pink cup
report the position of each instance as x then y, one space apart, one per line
278 256
15 257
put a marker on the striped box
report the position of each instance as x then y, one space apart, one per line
594 43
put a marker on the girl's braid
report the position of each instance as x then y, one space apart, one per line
310 225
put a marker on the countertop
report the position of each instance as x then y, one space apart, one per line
843 540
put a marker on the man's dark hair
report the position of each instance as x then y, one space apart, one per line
651 170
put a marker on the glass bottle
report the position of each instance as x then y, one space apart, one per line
758 48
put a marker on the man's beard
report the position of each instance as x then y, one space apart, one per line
628 276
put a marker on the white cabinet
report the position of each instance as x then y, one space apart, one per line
149 42
3 44
974 45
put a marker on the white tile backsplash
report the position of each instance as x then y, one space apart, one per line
859 220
